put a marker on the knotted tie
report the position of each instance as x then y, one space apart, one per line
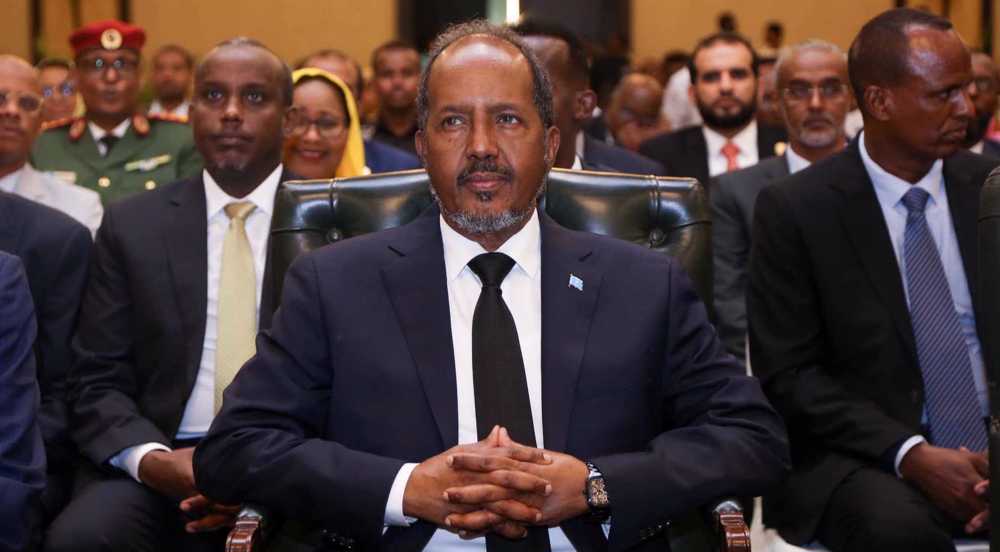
501 387
109 141
237 320
950 391
732 154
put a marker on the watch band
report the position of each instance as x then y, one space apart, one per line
596 493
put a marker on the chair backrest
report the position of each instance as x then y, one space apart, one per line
988 321
667 214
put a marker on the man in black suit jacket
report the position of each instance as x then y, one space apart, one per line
878 394
563 56
381 359
151 335
813 99
724 71
55 252
986 98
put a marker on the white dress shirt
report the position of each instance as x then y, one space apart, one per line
522 292
81 203
746 140
199 411
7 182
97 133
795 161
180 111
890 189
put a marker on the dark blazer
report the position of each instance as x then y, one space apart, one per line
55 251
142 321
363 342
684 152
598 156
732 196
991 148
381 157
830 332
22 454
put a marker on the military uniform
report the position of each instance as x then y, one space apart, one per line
155 150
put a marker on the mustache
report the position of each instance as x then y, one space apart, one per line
485 166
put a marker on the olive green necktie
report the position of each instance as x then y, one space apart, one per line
237 315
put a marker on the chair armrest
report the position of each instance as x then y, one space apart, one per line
732 532
249 532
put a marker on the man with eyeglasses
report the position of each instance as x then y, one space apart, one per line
985 97
114 149
813 99
58 89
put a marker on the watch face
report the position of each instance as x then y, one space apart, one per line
597 495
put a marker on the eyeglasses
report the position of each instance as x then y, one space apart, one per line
100 65
804 92
984 84
327 127
65 89
26 102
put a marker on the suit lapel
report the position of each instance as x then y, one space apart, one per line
867 231
963 204
10 230
566 315
185 236
424 316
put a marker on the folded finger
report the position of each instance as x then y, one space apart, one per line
511 530
478 494
480 462
529 454
210 522
977 523
516 511
520 481
478 521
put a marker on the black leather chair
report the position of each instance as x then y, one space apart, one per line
989 321
667 214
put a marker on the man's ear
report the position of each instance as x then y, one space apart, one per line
420 141
583 107
288 120
879 102
552 139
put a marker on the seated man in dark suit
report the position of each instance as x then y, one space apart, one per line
863 310
378 396
813 98
562 55
986 98
173 300
634 114
724 71
22 455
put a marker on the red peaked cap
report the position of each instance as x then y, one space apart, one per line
107 35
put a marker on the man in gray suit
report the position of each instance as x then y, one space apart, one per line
20 121
814 99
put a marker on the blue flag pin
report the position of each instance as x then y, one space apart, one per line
575 282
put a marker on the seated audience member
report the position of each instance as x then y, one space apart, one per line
58 83
862 312
324 135
114 149
673 61
813 98
22 456
563 57
401 392
176 292
173 69
397 70
768 111
986 97
634 115
379 156
21 110
723 71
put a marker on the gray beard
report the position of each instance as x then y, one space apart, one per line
487 223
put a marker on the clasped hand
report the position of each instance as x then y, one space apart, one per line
496 485
171 473
957 481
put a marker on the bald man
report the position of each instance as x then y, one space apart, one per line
986 97
634 115
21 118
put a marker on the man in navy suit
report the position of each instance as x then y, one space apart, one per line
22 455
483 370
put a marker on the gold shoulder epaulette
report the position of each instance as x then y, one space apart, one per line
182 119
56 123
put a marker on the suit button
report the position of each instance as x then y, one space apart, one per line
104 182
150 185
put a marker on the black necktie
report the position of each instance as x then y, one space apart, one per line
109 141
498 376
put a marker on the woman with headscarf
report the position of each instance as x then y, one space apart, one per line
324 140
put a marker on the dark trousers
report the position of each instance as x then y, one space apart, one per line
873 511
112 512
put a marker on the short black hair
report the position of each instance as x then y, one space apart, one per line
541 86
55 62
579 64
727 22
775 27
391 45
243 41
726 38
337 54
179 50
879 53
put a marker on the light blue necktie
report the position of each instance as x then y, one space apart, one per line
949 390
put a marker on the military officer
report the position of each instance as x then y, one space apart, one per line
114 148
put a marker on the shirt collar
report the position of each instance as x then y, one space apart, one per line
577 163
262 196
795 161
119 131
890 189
9 182
581 145
977 148
745 139
524 247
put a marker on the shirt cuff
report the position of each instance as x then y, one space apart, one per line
904 448
129 458
394 506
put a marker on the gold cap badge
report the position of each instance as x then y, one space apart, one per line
111 39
